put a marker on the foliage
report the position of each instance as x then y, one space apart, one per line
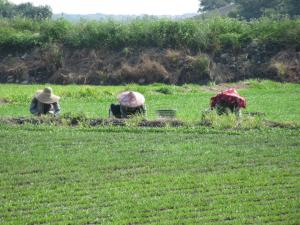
208 35
292 7
27 10
6 9
53 175
200 67
255 8
258 8
206 5
54 31
230 120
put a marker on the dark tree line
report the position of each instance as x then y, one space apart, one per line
28 10
248 9
207 5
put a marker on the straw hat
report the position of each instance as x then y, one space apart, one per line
46 96
131 99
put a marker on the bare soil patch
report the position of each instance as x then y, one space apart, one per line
4 101
159 123
62 65
60 121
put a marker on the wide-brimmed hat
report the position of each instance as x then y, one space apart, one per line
46 96
131 99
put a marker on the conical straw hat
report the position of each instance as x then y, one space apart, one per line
46 96
131 99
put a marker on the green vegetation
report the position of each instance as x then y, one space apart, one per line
209 35
255 8
212 170
278 101
129 175
54 175
26 10
207 5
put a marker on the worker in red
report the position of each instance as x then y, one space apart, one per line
228 101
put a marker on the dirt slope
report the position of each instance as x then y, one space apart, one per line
56 64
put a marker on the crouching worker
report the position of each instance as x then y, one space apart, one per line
45 102
228 101
130 103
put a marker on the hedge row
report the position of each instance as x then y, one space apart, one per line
209 35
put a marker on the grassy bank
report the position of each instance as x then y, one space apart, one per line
209 35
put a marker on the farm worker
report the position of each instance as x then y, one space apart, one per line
228 101
45 102
131 103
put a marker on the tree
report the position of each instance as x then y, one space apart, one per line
206 5
249 9
30 11
10 10
292 7
43 12
257 8
6 9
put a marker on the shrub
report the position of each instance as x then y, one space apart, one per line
147 71
210 35
195 70
230 41
201 64
172 55
11 39
54 30
165 90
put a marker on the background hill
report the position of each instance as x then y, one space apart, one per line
101 16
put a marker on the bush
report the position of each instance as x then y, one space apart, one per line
201 64
230 121
165 90
196 71
146 71
230 41
54 30
11 39
209 35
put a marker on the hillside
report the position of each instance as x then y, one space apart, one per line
101 16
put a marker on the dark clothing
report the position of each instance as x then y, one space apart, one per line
128 111
226 108
115 110
120 111
38 108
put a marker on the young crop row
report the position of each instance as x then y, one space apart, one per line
212 34
84 176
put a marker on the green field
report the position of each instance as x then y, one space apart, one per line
279 101
53 175
130 175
